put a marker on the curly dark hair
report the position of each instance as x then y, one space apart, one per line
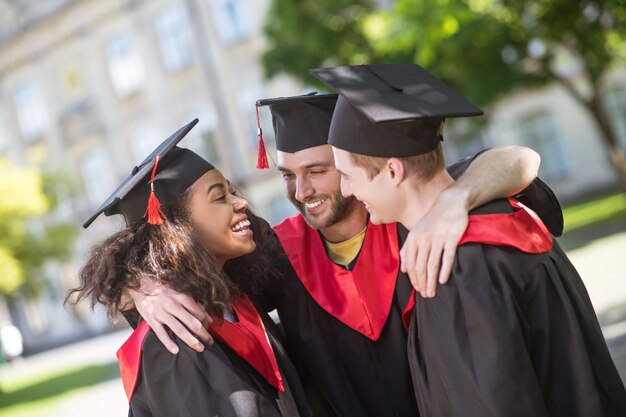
171 255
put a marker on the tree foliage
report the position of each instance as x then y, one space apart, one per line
27 240
484 48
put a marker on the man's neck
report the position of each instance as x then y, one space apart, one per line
354 220
420 196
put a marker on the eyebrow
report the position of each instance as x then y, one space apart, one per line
216 185
309 166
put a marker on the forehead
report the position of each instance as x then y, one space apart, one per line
343 161
322 154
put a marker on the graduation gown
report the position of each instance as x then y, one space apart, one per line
360 371
343 326
513 333
224 380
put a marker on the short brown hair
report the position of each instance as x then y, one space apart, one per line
425 166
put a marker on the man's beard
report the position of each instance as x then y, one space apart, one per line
339 206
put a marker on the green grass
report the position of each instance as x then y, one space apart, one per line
33 395
604 209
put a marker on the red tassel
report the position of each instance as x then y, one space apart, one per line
261 161
154 213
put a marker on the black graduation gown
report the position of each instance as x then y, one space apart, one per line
511 334
358 376
216 382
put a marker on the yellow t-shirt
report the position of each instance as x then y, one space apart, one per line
343 253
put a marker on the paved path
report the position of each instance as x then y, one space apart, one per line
602 266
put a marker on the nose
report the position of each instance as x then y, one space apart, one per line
303 188
346 189
240 204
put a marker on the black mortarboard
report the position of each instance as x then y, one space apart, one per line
390 109
300 122
176 169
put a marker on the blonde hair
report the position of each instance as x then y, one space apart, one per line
425 166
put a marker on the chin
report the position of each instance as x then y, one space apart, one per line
375 219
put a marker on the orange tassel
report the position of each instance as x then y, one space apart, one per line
154 213
261 160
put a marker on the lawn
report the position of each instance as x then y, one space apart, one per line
35 395
601 210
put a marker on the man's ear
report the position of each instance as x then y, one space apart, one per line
396 170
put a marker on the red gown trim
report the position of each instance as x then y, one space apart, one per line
361 299
248 339
129 358
521 229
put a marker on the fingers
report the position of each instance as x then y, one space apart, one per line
417 274
408 254
180 313
194 308
164 338
191 325
183 333
447 260
432 271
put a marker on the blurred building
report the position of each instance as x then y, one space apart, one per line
574 160
94 85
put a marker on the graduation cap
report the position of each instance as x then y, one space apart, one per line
299 122
390 110
166 173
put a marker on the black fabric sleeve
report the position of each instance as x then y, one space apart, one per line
512 334
467 350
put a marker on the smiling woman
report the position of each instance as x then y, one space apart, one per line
184 222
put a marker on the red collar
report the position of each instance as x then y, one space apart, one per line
129 358
521 229
248 339
361 298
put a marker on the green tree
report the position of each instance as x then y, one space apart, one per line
482 47
27 196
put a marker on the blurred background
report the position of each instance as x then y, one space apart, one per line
89 87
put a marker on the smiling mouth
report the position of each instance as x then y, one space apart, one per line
241 227
314 204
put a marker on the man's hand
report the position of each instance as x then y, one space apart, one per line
430 248
161 306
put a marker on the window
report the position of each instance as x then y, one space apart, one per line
175 38
231 19
616 108
540 133
125 66
30 111
96 172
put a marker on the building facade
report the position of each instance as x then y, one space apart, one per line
95 85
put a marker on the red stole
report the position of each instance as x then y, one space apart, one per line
129 358
361 299
521 229
248 339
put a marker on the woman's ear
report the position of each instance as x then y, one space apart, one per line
396 170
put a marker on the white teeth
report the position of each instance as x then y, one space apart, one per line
315 204
241 226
